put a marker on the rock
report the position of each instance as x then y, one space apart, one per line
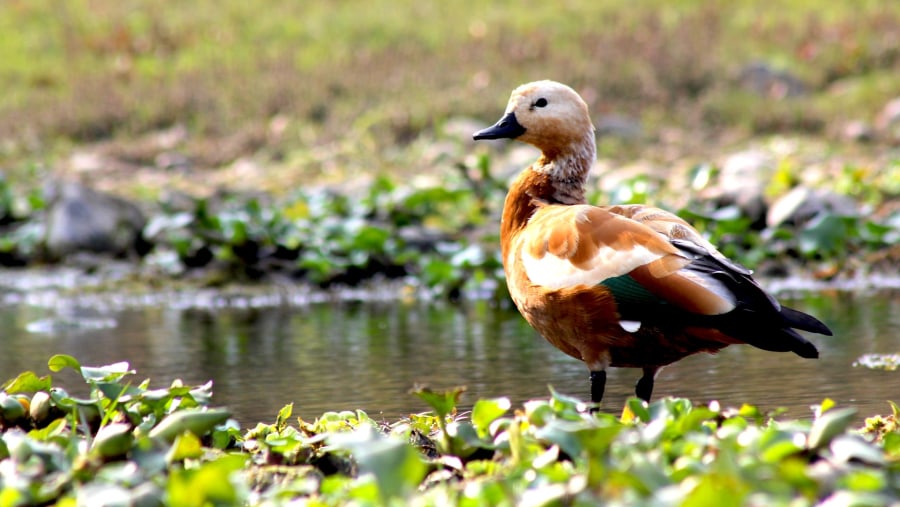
80 219
802 204
172 161
741 183
763 80
858 131
888 120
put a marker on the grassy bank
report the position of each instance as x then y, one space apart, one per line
132 445
292 82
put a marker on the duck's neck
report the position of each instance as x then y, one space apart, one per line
557 177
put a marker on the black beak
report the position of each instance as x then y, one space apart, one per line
507 128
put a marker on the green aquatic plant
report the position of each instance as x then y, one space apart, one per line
150 446
439 237
126 442
887 362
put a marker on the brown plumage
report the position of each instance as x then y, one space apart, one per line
631 286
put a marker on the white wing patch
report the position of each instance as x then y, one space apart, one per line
631 326
554 273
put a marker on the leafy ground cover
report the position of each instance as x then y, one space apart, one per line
141 97
439 237
130 444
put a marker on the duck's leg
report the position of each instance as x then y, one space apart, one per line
598 385
644 387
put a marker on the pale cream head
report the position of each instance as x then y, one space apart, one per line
553 115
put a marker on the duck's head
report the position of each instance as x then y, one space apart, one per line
549 115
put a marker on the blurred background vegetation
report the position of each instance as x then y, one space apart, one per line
281 78
227 119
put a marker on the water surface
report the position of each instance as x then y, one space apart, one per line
336 356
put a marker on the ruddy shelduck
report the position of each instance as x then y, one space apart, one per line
625 286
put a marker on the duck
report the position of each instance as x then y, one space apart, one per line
629 286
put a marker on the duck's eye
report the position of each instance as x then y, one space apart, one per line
541 102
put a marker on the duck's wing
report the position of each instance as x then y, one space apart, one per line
657 266
567 246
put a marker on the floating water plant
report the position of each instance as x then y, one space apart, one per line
136 445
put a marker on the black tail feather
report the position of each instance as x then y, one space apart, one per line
801 346
769 332
800 320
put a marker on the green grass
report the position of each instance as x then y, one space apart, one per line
98 70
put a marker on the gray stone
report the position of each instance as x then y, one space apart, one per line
858 131
888 120
764 80
80 219
742 183
802 204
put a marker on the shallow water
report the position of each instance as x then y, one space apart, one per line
336 356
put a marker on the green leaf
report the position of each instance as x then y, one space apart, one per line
567 407
829 425
826 233
224 436
108 373
827 404
891 444
115 391
461 440
865 481
395 464
437 271
10 497
779 451
487 411
113 440
198 422
713 489
28 382
208 484
575 437
855 449
186 445
55 428
639 409
283 415
443 403
370 239
61 361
